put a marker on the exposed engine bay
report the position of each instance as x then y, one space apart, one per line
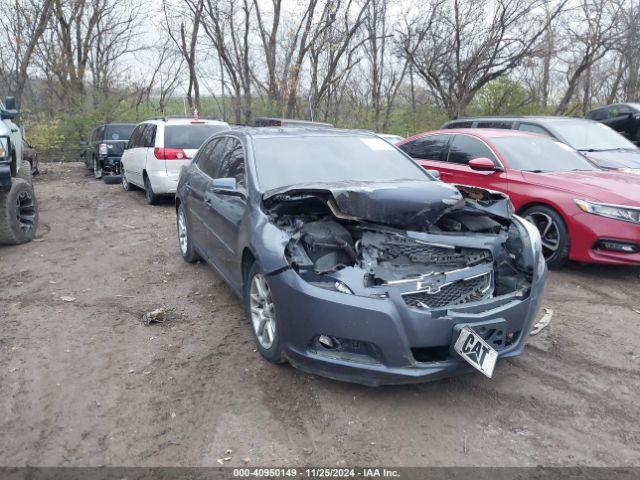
463 251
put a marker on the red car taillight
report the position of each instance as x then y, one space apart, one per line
169 153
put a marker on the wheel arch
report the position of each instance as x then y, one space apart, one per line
248 259
536 203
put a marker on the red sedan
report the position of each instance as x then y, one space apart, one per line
583 213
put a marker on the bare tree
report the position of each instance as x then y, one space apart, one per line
22 24
457 46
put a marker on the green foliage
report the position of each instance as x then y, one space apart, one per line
502 96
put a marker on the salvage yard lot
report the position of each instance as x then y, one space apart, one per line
86 382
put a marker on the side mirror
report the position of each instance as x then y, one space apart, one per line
224 184
482 164
10 103
434 173
10 110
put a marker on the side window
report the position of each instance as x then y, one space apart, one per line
210 156
149 136
600 114
530 127
431 147
135 136
232 165
495 124
465 148
100 133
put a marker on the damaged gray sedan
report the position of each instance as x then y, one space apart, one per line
355 263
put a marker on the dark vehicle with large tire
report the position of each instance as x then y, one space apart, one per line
103 151
624 118
18 205
353 262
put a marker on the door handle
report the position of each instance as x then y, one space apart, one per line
446 174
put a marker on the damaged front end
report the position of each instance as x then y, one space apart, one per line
435 246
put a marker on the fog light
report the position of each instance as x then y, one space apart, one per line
617 246
326 341
342 287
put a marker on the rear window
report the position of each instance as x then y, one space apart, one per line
118 132
189 136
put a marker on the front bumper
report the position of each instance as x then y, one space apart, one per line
587 229
397 333
164 182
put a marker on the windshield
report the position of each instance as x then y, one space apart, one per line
189 137
540 154
584 135
285 161
118 132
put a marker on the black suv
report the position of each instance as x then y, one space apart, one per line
104 149
603 146
622 117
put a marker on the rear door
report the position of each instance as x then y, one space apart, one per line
134 157
463 149
207 167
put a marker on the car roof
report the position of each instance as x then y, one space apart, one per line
299 131
184 121
527 118
478 132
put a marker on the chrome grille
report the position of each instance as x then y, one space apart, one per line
454 293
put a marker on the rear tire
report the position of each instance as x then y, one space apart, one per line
97 169
152 198
18 214
553 232
269 346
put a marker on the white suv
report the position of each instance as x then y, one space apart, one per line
158 149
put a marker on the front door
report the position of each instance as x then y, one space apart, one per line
464 148
224 208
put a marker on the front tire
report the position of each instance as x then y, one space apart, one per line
187 249
18 214
553 232
261 311
151 197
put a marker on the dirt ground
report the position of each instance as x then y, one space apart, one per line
85 382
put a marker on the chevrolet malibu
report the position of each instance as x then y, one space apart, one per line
355 263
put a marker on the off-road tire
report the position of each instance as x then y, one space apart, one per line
561 255
149 195
274 353
18 214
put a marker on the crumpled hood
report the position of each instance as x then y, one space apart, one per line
402 204
615 158
602 186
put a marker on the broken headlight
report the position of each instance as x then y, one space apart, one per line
617 212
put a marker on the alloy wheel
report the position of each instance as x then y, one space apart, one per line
26 211
182 231
549 233
262 311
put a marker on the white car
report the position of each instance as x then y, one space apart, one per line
159 148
